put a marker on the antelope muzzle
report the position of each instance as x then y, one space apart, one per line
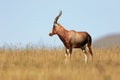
50 34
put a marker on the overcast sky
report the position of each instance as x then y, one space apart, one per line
29 21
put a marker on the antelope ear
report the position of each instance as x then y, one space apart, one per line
55 24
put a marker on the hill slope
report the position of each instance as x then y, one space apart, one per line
107 41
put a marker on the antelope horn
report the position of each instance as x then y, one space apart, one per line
56 19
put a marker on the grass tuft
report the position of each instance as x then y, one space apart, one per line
48 64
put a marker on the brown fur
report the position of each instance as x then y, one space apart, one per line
72 39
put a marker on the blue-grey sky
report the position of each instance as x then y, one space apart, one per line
29 21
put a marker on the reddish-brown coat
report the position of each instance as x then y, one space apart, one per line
72 39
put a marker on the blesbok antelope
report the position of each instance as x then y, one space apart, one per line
72 39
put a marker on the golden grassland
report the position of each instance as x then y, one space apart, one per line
48 64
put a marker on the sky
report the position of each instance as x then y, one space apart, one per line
29 21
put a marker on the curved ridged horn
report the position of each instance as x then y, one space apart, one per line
56 19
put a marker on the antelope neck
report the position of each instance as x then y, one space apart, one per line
62 33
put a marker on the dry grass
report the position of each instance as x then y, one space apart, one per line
45 64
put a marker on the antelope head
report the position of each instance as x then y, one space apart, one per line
55 25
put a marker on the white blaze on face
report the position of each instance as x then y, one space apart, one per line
51 31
